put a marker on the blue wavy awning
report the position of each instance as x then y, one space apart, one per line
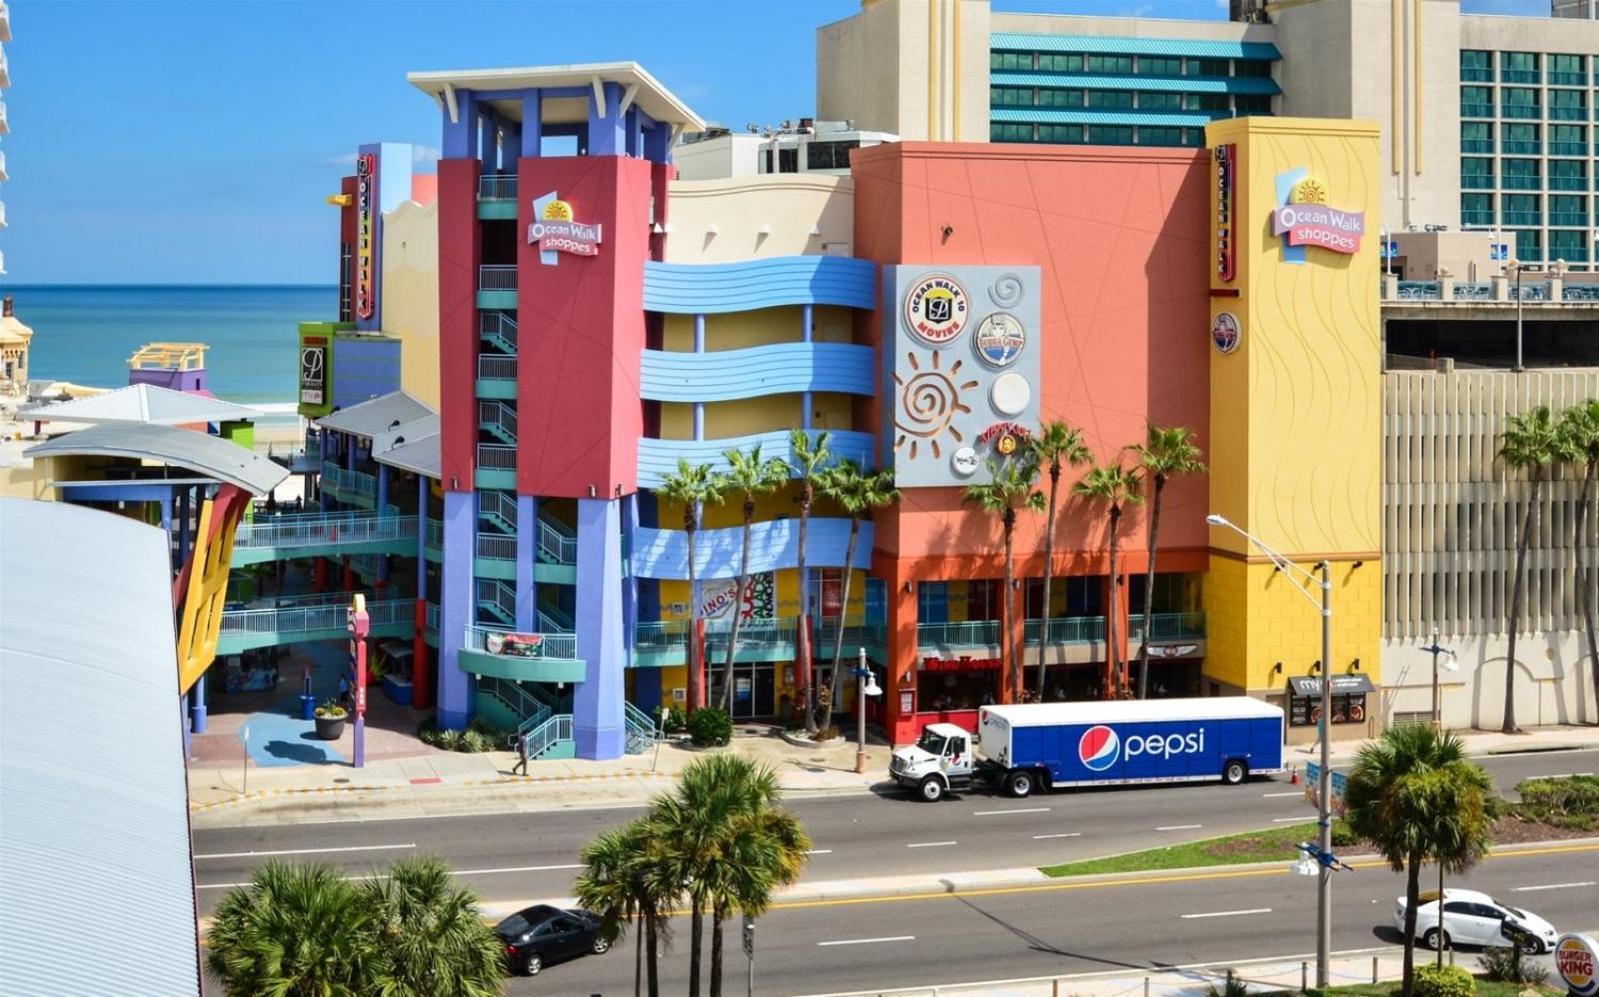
782 368
773 545
658 458
716 288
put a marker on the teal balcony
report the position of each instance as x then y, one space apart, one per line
1167 626
496 376
496 196
932 638
1068 629
540 658
309 618
496 286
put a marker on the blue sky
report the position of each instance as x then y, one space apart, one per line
193 142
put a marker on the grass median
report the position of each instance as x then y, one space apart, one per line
1232 849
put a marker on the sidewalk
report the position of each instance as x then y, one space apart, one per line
1478 742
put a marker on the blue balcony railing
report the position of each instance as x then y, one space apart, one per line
497 187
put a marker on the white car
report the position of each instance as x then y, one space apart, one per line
1472 918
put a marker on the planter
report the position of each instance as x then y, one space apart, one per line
709 749
801 740
331 728
397 689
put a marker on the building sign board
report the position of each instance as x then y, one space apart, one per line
1577 962
936 309
1226 229
313 370
1225 332
366 206
1308 220
556 231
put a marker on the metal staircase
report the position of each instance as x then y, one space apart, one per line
641 730
498 330
498 420
499 508
497 599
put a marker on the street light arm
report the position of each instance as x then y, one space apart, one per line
1287 567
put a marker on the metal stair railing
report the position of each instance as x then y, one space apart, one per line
642 732
498 418
498 506
557 544
499 329
554 619
513 697
548 734
499 597
314 530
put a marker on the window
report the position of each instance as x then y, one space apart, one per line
1568 209
1520 102
1061 134
829 155
1568 105
1522 209
1521 140
1476 136
1108 63
1476 102
1251 103
1160 102
1476 65
1476 172
766 161
1477 209
1208 102
1568 174
788 160
1010 96
1194 137
1208 67
1116 99
1007 131
1060 62
1529 246
1521 174
1151 135
1568 140
1157 65
1110 135
1571 246
1567 70
1519 67
1252 69
1011 62
1060 98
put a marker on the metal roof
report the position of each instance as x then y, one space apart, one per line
1204 48
1059 116
654 99
211 456
144 403
88 647
1158 84
420 456
377 416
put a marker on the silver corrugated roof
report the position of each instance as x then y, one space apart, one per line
417 456
93 796
211 456
144 403
376 416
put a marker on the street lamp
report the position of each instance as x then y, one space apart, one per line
868 687
1323 854
1450 665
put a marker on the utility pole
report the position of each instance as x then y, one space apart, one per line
1324 790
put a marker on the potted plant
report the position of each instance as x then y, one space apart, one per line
330 718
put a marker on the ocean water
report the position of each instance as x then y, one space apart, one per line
85 333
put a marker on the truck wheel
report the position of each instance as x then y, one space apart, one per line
1234 772
1020 784
932 789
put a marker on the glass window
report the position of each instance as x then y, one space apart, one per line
1519 67
1476 136
1009 131
1108 63
1569 70
1208 67
1568 209
1568 140
1011 62
1252 69
1010 96
1251 103
829 155
1476 102
1208 102
1194 137
1152 135
1476 171
1160 102
788 160
1049 97
1476 209
1110 135
1522 209
1060 62
1529 245
1521 139
1110 98
1569 245
1568 174
940 691
1476 65
1519 102
1568 105
1061 134
1158 65
1521 174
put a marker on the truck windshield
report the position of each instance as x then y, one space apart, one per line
931 743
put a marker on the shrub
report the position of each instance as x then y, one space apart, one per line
478 736
1342 836
1506 964
828 733
1570 802
1233 986
474 740
1444 981
670 719
709 728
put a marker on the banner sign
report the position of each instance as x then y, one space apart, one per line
1320 225
557 232
313 370
1226 254
366 201
511 645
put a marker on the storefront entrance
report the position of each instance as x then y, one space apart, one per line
754 689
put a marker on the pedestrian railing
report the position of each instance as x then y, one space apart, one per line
1167 626
288 621
557 545
496 547
321 530
1068 629
555 730
972 633
496 277
493 367
348 482
496 187
642 732
493 640
494 457
499 597
499 508
499 328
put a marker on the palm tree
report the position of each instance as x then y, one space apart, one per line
858 494
1055 443
809 463
1579 426
1530 444
1165 453
624 881
1416 796
429 935
1011 488
1116 486
294 930
695 486
751 476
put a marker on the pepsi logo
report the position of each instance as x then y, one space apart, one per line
1098 748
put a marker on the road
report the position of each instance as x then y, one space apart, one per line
1212 918
528 856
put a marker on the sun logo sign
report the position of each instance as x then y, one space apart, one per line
1098 748
929 401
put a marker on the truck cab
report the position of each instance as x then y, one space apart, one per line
943 759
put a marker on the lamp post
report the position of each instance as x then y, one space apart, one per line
867 687
1450 665
1516 268
1324 776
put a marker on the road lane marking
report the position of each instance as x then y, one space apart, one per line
516 868
1179 827
1023 810
871 941
1276 796
1552 886
1227 913
929 844
1292 820
1067 834
303 851
820 851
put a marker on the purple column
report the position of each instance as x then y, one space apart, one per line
597 725
658 143
421 538
630 584
607 128
455 609
532 123
461 135
527 546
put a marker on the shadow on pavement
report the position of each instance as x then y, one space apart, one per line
1039 945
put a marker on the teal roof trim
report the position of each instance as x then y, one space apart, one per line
1159 84
1123 45
1056 116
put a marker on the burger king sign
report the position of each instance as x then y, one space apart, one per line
1577 962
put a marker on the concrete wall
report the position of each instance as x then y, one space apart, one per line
1129 27
411 295
1554 680
718 158
787 206
1464 254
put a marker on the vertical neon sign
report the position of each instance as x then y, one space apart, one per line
1226 167
366 252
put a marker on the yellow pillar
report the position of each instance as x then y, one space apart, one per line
1295 395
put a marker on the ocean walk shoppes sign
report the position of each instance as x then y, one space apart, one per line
1320 225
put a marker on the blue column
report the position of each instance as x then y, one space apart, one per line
527 547
197 695
183 525
382 503
699 347
629 584
607 131
633 137
597 702
532 123
421 538
455 609
461 135
658 143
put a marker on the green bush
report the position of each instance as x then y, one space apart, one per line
670 719
477 737
475 741
1342 836
1444 981
1569 802
710 728
1233 986
1507 964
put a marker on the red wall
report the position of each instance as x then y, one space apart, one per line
459 251
581 332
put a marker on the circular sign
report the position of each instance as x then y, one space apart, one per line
1010 394
1006 444
1575 960
936 309
1000 339
964 462
1224 332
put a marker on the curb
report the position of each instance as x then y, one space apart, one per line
496 781
262 794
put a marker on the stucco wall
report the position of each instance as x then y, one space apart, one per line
1553 680
759 217
411 295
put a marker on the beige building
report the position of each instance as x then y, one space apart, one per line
14 340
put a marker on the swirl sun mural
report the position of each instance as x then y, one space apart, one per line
929 400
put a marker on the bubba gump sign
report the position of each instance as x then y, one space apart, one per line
557 232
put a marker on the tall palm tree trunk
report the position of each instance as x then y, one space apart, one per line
1517 586
738 609
838 641
652 941
1586 588
1149 589
693 618
718 915
1412 889
638 957
1049 574
1013 666
1113 611
803 672
696 941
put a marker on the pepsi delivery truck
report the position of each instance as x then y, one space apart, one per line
1043 745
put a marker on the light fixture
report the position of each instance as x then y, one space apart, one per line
711 229
1449 662
1216 520
1305 865
1277 669
1354 666
872 688
907 588
657 229
1315 666
947 231
1357 564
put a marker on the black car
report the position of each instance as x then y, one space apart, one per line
541 935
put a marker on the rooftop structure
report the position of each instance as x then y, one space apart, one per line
143 403
210 456
168 356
